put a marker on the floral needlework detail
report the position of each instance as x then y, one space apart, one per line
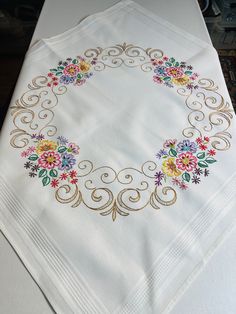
179 164
170 73
53 162
185 162
71 71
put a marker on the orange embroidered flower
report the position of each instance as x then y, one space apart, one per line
44 146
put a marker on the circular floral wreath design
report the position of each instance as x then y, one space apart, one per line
180 163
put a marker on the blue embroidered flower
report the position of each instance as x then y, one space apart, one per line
186 146
64 79
160 71
67 161
161 153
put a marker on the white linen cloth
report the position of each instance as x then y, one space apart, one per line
117 168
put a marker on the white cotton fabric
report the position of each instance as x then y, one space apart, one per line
83 261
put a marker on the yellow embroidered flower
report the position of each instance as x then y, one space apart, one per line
84 66
181 80
169 168
44 146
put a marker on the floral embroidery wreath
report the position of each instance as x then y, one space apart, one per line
179 163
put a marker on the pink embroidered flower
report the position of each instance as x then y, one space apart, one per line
206 138
175 72
165 58
49 160
186 161
157 79
73 148
183 186
24 153
170 143
31 149
71 70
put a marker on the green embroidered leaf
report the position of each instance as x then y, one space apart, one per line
60 68
202 164
201 155
210 160
172 152
167 78
75 61
42 173
46 180
168 64
172 60
58 73
186 176
53 173
79 76
53 70
165 156
33 157
176 64
61 149
188 73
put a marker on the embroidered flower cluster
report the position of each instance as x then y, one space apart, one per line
185 162
170 72
72 71
51 161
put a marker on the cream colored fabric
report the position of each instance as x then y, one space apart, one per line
117 163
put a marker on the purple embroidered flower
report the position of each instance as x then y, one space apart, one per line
186 146
159 176
32 174
33 136
64 79
168 84
62 140
67 161
196 179
28 164
40 137
161 153
160 71
206 172
198 171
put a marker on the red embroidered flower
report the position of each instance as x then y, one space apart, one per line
211 152
54 183
206 138
199 140
73 174
202 146
63 176
165 58
50 75
74 181
157 79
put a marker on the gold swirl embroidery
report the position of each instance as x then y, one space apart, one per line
125 54
209 114
216 118
137 194
35 105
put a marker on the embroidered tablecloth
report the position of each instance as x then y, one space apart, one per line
117 173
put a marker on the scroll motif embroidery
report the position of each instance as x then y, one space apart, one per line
55 161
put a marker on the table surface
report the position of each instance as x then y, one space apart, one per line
214 290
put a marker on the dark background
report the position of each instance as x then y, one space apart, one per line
18 19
